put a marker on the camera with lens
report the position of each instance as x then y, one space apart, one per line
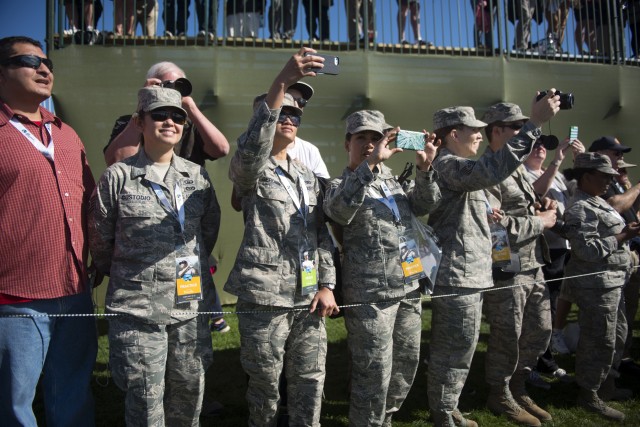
182 85
549 142
566 99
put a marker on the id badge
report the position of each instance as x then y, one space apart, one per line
500 249
412 268
308 270
188 279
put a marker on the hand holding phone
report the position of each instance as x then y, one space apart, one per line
331 64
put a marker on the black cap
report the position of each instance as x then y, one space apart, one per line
608 143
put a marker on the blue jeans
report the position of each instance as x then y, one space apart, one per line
63 349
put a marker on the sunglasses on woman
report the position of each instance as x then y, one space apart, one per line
178 117
295 119
28 61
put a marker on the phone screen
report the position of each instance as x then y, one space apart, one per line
409 140
573 133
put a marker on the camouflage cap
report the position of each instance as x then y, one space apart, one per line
366 120
287 102
503 112
596 161
452 116
154 97
291 104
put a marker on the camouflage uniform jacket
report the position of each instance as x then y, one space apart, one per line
267 266
516 197
371 267
592 225
460 221
134 239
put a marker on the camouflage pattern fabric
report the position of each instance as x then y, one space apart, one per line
371 269
134 239
452 116
592 225
160 368
384 341
519 317
516 197
602 328
266 269
266 274
520 321
461 224
455 326
505 112
460 220
295 341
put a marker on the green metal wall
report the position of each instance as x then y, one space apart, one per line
94 85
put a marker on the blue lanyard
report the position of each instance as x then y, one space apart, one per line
178 212
303 209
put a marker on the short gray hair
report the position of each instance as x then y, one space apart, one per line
162 68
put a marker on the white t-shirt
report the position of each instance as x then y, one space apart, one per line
309 155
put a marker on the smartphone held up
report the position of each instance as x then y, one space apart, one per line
410 140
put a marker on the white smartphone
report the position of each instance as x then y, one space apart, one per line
573 134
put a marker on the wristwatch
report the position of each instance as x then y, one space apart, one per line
329 286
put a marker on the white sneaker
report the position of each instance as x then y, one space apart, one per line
557 343
562 376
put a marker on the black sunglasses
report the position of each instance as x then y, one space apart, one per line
301 102
295 119
162 115
28 61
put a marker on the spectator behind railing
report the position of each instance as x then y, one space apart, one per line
604 30
244 17
317 16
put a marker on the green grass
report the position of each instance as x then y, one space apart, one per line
226 383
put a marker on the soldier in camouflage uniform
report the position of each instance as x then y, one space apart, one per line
147 211
520 314
461 224
599 243
281 203
375 214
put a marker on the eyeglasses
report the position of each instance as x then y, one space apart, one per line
295 119
514 126
28 61
162 115
301 102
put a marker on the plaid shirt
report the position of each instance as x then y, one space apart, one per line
42 211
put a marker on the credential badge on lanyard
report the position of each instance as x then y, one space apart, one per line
188 283
306 252
46 151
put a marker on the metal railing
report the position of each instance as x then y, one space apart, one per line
603 31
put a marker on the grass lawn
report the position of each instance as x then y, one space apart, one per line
226 383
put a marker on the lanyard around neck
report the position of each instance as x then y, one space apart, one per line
178 212
389 201
303 209
46 151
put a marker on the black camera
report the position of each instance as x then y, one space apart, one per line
566 99
550 142
182 85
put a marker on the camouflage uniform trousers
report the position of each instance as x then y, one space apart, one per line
520 325
161 369
384 341
455 327
603 329
296 341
